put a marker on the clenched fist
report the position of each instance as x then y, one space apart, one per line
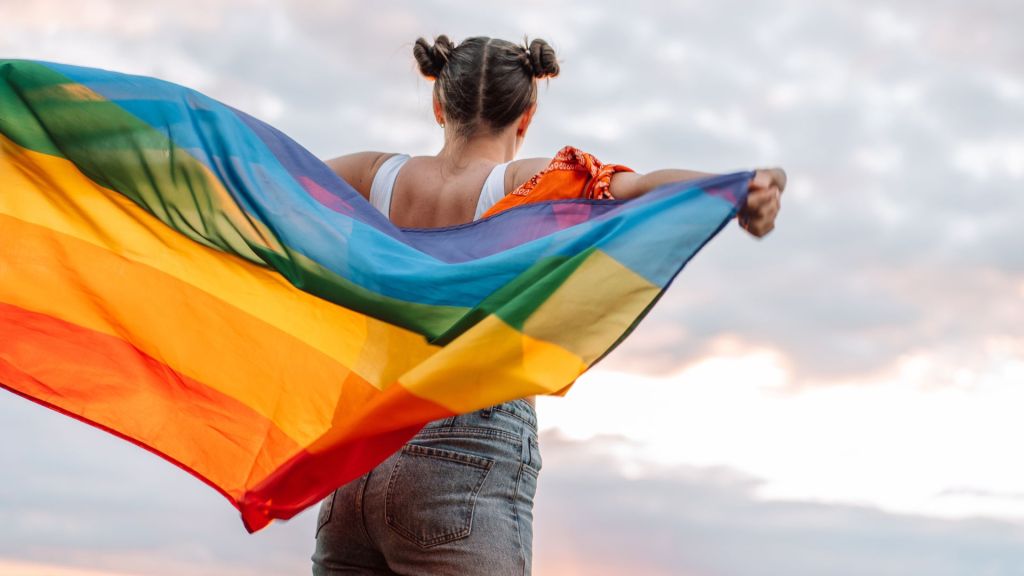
763 201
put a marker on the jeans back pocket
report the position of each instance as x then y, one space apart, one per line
432 492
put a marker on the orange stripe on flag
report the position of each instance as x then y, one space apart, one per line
38 189
115 386
198 335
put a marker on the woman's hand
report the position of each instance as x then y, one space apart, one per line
763 201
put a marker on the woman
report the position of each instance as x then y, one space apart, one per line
458 498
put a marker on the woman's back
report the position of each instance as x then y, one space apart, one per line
434 191
429 193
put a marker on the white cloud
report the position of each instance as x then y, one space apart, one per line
695 520
896 441
993 158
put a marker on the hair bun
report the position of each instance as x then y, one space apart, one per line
432 57
542 59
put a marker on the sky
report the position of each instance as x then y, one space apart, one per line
841 397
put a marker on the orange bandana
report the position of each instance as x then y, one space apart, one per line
571 174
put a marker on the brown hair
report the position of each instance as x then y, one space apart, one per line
484 83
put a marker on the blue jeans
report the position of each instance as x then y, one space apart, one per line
456 499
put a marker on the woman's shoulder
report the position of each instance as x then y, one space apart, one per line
570 174
569 158
359 168
520 171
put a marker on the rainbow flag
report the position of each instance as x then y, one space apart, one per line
182 275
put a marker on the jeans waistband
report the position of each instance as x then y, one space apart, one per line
514 417
519 408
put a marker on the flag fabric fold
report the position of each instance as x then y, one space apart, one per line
185 276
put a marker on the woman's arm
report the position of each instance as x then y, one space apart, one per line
626 185
358 169
757 216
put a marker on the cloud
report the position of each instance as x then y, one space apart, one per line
900 440
34 569
710 521
904 172
76 497
92 504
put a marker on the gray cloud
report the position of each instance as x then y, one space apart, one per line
710 521
865 262
74 496
80 498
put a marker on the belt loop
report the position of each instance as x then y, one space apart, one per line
526 455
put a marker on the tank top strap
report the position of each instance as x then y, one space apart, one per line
383 185
492 191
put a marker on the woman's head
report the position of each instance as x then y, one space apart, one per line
484 85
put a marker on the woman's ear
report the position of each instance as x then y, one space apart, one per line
438 112
525 119
524 124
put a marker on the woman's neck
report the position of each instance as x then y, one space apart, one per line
497 148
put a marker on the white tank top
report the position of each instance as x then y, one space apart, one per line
383 186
